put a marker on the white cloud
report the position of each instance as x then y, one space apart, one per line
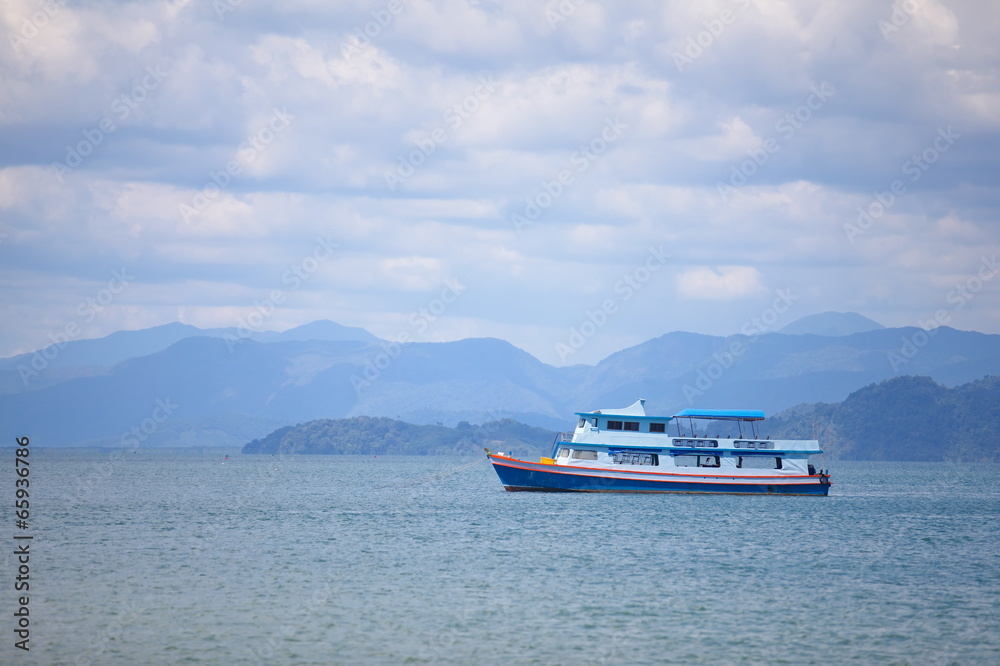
358 112
723 283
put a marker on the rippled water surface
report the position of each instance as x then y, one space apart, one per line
161 558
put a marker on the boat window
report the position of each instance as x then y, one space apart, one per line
744 444
563 453
614 425
708 461
582 423
594 421
759 462
584 454
632 425
704 443
657 427
635 458
686 461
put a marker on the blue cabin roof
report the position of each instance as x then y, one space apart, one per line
722 414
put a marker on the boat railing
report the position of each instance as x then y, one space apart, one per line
563 437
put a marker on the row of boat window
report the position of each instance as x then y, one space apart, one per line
706 443
714 444
743 444
743 462
633 426
684 460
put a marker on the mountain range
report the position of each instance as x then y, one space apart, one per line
179 385
903 418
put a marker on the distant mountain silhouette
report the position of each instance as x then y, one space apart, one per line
832 324
110 349
225 393
317 330
67 359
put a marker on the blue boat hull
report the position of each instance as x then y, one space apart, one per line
519 475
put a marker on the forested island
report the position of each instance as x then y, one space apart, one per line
904 418
382 435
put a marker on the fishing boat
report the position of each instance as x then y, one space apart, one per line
624 450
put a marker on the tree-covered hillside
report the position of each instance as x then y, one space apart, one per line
904 418
381 435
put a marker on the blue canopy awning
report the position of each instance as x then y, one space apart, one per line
722 414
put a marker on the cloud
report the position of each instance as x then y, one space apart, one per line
484 105
724 283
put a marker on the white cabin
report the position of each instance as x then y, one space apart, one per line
627 438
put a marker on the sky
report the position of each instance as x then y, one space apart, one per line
573 176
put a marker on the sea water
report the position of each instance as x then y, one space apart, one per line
149 557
